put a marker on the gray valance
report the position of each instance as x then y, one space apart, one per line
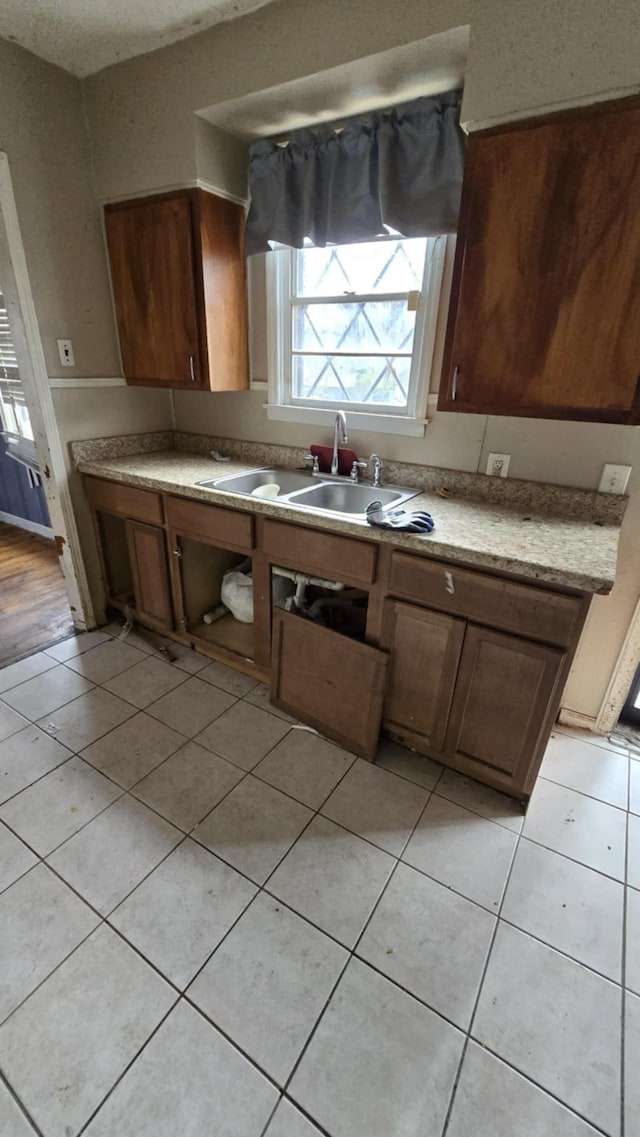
401 170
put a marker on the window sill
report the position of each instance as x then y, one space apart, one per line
356 420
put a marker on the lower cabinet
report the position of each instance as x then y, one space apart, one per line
151 588
503 708
479 700
459 665
424 649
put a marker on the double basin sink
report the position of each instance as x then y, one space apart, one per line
322 493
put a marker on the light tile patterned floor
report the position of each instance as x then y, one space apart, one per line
214 922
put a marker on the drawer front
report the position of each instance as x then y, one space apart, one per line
226 527
125 501
503 604
321 554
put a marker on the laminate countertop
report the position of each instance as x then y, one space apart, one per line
571 551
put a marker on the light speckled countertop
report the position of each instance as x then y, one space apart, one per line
575 553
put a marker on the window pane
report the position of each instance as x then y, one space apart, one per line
385 326
373 266
380 382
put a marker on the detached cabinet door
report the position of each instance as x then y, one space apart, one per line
148 556
424 649
329 681
151 251
545 320
504 695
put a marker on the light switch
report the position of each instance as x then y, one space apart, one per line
614 478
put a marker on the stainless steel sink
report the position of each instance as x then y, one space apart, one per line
323 493
345 497
287 480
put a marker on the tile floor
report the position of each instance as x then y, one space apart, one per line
213 922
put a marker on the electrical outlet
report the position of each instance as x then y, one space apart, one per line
614 478
65 351
498 465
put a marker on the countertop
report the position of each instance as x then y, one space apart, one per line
573 553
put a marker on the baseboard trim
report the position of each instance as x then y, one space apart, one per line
575 718
30 526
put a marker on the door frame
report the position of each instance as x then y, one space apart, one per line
33 373
622 678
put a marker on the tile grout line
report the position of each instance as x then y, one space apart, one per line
623 999
467 1037
20 1104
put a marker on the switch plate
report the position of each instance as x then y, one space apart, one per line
614 478
498 465
65 351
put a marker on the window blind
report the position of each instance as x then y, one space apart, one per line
10 383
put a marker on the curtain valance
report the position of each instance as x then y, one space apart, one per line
400 170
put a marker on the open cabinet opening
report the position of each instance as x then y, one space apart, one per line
117 561
218 596
328 603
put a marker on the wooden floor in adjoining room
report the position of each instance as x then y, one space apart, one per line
34 610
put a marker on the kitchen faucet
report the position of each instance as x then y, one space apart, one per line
339 434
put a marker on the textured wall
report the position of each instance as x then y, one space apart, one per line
42 131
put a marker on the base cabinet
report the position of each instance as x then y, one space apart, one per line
476 699
461 666
424 649
504 697
152 591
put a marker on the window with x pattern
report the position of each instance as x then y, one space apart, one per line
354 324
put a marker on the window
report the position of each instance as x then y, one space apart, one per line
13 408
353 327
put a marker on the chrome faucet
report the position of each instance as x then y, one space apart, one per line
376 463
339 435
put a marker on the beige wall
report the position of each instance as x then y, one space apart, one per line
526 57
42 131
140 111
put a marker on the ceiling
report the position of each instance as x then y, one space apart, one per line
83 36
423 67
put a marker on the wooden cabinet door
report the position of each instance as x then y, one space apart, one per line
151 250
545 320
424 649
148 556
333 683
506 695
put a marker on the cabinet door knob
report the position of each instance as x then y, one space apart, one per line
192 373
454 383
177 551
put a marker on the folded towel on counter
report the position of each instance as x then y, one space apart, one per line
402 520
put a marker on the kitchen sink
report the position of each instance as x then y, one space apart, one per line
322 492
288 480
345 497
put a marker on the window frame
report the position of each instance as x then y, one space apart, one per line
281 266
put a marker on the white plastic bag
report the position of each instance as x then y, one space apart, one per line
237 594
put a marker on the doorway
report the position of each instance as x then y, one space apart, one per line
38 521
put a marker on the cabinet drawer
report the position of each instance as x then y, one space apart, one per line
125 501
225 527
321 554
503 604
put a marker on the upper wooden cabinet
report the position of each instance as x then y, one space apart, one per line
179 283
544 319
